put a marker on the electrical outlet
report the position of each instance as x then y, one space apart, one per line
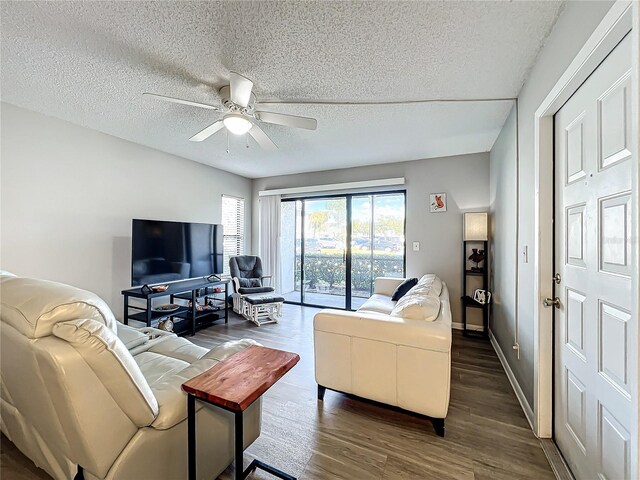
416 246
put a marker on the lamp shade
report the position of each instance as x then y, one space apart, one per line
475 226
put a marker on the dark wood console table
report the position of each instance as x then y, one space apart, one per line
189 290
233 385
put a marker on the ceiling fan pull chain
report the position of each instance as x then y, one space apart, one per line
227 141
246 141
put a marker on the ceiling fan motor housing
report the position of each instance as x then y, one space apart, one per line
225 98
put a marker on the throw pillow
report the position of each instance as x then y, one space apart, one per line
416 307
402 289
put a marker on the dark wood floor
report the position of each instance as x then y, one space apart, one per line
487 435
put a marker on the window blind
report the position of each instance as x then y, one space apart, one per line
233 225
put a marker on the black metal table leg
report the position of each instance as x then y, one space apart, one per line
239 446
125 315
239 454
193 312
191 428
269 469
241 473
226 302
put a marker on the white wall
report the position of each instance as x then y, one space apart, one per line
465 180
68 195
573 28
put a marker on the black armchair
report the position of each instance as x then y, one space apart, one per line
247 274
253 299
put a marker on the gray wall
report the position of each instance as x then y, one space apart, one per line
69 193
503 219
465 180
573 28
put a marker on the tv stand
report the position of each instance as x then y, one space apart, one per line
187 318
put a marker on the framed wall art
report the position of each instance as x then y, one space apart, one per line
438 202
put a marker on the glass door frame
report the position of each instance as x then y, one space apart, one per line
348 250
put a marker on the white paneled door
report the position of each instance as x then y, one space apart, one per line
592 396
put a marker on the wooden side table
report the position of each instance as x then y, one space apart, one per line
233 385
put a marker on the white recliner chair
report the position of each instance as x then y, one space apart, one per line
84 396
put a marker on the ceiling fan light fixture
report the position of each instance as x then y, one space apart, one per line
237 123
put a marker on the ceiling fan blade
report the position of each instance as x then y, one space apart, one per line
240 89
184 102
288 120
207 132
262 139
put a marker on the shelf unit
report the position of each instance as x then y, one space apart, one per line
186 319
468 301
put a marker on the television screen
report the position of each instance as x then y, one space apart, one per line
169 251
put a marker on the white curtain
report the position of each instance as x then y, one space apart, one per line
269 238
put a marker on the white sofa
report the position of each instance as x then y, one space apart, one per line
389 359
84 396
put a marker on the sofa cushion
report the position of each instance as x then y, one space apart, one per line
249 290
227 349
386 285
378 303
262 299
179 348
110 360
385 328
249 282
432 281
155 367
34 306
245 266
131 337
402 289
168 390
417 306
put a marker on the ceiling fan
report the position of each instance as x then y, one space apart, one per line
240 114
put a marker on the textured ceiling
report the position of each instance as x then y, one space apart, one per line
89 62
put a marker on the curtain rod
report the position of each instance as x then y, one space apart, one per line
383 182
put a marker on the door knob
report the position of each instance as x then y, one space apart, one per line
557 278
548 302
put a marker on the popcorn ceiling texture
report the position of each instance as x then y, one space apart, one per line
89 62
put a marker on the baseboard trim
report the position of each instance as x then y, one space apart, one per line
526 408
458 326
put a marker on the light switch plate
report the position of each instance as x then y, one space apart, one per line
416 246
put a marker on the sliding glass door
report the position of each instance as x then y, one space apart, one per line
377 242
324 257
290 250
333 247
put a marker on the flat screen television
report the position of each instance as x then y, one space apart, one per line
169 251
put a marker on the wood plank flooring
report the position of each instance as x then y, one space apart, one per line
487 435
